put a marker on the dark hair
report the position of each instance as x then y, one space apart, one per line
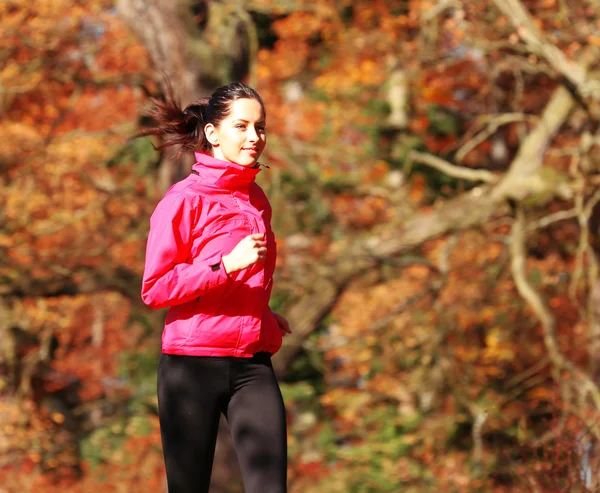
185 127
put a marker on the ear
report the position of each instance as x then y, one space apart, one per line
211 134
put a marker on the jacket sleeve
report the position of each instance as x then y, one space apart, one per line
170 276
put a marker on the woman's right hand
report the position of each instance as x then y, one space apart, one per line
251 249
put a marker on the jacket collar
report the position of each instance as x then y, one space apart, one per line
222 174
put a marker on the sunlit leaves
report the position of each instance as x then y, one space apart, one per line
405 379
70 99
413 354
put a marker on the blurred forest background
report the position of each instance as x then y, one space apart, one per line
434 178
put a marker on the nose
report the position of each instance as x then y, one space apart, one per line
252 134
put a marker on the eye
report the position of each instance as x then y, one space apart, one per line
261 128
240 126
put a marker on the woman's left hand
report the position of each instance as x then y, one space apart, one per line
284 325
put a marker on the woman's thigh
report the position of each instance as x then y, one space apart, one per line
256 416
192 393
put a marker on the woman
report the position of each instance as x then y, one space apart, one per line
210 258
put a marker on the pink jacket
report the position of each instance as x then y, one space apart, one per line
198 221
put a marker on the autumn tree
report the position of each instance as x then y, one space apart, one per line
434 175
489 225
73 220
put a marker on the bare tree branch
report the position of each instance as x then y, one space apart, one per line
523 177
451 169
584 212
438 9
465 211
546 221
574 72
580 380
491 129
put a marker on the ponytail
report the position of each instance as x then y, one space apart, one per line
178 127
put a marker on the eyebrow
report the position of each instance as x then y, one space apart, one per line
246 121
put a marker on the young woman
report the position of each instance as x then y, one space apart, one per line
210 258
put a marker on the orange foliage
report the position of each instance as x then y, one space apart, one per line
70 102
424 347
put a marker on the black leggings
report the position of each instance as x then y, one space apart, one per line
192 394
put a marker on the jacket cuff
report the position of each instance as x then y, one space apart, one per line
215 263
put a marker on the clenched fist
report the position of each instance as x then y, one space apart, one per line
251 249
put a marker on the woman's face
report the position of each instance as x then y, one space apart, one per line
240 137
